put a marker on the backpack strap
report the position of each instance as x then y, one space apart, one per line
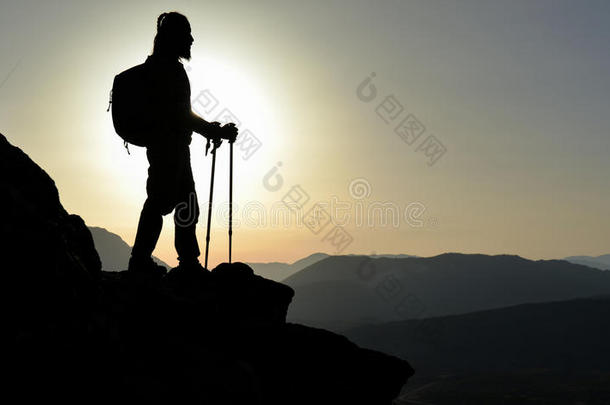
109 101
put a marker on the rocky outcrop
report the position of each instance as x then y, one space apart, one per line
78 334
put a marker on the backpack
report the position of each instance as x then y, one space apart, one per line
133 107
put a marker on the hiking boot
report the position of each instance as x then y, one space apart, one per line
191 267
146 267
190 273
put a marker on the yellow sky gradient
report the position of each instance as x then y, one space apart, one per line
523 122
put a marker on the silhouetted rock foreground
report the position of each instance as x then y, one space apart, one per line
77 334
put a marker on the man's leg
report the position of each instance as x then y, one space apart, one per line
185 220
186 216
149 229
159 189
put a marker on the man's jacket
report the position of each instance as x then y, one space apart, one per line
171 92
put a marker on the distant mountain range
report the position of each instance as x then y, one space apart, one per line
340 292
113 250
278 271
599 262
557 335
540 353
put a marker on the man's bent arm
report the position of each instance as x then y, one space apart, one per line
201 126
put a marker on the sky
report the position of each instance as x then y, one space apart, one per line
417 127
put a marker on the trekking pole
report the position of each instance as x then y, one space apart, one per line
207 237
230 198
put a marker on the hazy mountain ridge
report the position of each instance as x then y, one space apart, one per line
550 352
278 271
598 262
114 252
385 289
543 331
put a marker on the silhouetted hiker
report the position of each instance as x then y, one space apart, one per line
170 182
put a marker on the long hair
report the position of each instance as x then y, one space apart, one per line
169 25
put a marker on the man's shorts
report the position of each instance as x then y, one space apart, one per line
170 178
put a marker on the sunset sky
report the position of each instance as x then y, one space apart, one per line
516 92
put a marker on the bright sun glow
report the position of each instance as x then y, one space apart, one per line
220 87
232 89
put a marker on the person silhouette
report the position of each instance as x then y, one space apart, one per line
170 185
